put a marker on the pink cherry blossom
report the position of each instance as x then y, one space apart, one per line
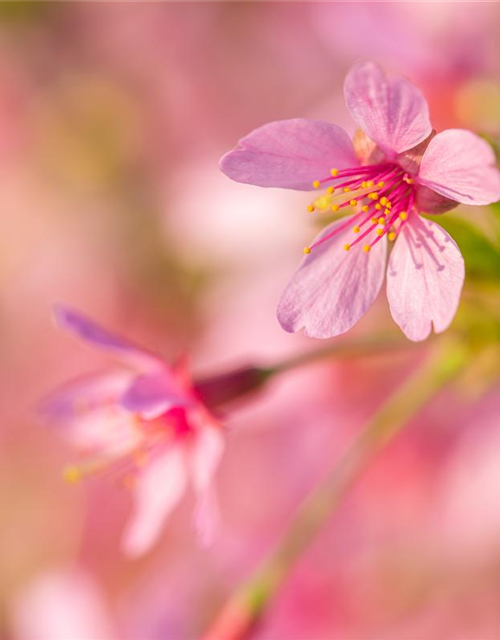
143 421
396 168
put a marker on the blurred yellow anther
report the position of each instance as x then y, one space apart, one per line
374 220
392 236
330 190
384 201
72 475
380 232
389 205
364 184
307 250
373 195
310 208
366 248
381 183
370 183
381 220
323 202
365 208
356 229
408 180
387 212
334 172
346 189
316 184
347 247
403 215
353 203
378 207
335 207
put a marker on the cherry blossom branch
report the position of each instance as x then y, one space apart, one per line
246 608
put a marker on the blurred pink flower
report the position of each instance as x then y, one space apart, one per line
395 168
144 421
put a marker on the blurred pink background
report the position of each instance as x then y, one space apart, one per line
113 117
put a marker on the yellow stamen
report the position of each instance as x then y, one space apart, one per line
403 215
387 212
72 474
374 220
335 207
330 190
381 184
310 208
370 183
364 184
366 248
334 172
356 229
392 236
373 195
347 247
380 232
353 203
384 201
316 184
365 208
346 189
381 220
307 250
378 207
389 205
408 180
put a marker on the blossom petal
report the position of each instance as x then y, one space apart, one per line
158 490
424 280
95 335
391 111
152 395
205 456
332 289
289 153
459 165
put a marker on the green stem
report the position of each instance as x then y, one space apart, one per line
250 602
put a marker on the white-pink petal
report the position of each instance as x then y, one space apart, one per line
289 153
332 289
391 111
424 279
460 165
158 490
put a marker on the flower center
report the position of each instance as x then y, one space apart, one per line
382 195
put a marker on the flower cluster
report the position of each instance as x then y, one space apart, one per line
395 169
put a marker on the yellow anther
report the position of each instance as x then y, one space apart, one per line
346 189
365 208
380 232
335 207
381 183
381 220
310 208
364 184
72 474
378 207
373 195
307 250
387 212
403 215
366 248
347 247
374 220
323 202
316 184
334 172
356 229
330 190
408 180
384 201
392 236
353 203
370 183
